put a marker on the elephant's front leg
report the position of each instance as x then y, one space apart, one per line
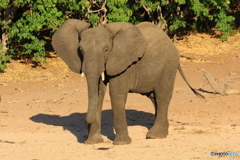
94 135
118 99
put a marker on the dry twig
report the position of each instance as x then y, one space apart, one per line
221 90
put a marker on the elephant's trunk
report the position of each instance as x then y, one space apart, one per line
93 90
92 68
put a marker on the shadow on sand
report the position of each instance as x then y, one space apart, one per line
75 122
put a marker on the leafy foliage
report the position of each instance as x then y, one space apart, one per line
118 11
3 59
36 20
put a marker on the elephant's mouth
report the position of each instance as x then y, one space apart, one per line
102 75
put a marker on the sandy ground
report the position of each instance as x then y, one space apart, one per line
43 109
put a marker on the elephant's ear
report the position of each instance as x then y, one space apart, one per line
129 46
66 43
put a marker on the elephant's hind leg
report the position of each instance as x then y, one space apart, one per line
161 99
94 135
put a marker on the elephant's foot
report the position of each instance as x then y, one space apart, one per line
155 133
121 140
96 138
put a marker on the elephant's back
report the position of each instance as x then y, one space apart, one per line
154 36
160 47
160 55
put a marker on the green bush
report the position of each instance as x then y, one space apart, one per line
3 59
37 19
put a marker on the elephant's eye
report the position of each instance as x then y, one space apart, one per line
106 49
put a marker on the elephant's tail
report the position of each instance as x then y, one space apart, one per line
185 79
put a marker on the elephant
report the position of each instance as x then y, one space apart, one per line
130 59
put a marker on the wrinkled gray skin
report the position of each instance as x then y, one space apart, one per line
140 59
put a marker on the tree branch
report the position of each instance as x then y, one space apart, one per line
223 91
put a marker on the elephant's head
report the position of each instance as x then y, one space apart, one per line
111 48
